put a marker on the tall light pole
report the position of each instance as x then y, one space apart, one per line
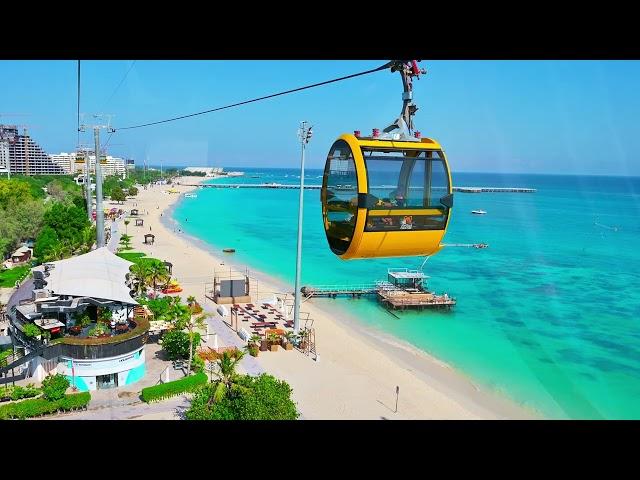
304 134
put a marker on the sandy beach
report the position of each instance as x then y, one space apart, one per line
358 369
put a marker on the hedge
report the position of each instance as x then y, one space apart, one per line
171 389
39 406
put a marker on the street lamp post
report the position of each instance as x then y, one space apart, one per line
304 134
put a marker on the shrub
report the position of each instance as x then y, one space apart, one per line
31 330
263 398
54 387
40 406
197 364
24 392
171 389
176 344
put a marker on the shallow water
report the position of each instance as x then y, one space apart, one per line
547 314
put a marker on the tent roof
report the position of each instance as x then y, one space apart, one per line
97 274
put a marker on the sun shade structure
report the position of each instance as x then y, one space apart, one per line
97 274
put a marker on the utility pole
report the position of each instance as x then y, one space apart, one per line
304 134
99 210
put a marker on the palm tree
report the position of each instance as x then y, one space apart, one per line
126 224
227 377
158 273
191 326
140 272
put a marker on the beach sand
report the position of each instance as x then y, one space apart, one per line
358 368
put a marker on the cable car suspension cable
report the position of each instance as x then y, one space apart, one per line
382 67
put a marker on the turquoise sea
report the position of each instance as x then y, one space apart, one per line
548 314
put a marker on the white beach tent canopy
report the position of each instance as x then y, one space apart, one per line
97 274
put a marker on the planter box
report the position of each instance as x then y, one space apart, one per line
288 346
264 346
274 347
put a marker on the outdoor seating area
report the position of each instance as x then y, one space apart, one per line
259 318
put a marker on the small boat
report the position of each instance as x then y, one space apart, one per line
190 195
480 245
478 212
228 250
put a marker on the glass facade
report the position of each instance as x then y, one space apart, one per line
406 189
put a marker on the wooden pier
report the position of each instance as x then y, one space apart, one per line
283 186
388 294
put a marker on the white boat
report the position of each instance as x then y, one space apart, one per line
479 212
190 195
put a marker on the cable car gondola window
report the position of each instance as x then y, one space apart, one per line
340 196
405 189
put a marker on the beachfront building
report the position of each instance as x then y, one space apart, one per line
110 165
88 330
25 156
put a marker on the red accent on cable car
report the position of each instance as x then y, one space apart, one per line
356 133
417 134
55 330
414 67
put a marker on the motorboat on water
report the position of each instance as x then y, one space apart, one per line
478 212
190 195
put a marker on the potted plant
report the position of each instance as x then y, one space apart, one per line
287 340
264 344
253 345
274 341
302 338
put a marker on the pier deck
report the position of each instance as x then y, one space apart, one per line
282 186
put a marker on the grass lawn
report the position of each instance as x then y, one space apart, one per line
8 277
135 257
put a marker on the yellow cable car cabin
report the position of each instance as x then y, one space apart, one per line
385 198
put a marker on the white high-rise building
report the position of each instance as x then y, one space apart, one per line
64 160
4 156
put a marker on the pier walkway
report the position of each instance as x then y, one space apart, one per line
282 186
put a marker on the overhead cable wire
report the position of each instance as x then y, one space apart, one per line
119 85
382 67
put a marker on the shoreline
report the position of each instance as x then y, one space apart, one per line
364 361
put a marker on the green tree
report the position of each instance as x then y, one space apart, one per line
177 343
140 272
118 195
253 398
158 273
54 387
133 191
47 239
125 242
14 190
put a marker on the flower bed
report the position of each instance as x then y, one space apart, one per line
39 406
171 389
142 325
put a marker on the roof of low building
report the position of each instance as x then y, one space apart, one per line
97 274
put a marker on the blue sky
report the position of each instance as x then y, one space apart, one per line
566 117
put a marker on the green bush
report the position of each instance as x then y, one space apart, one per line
54 387
31 330
176 344
40 406
24 392
171 389
197 364
262 398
